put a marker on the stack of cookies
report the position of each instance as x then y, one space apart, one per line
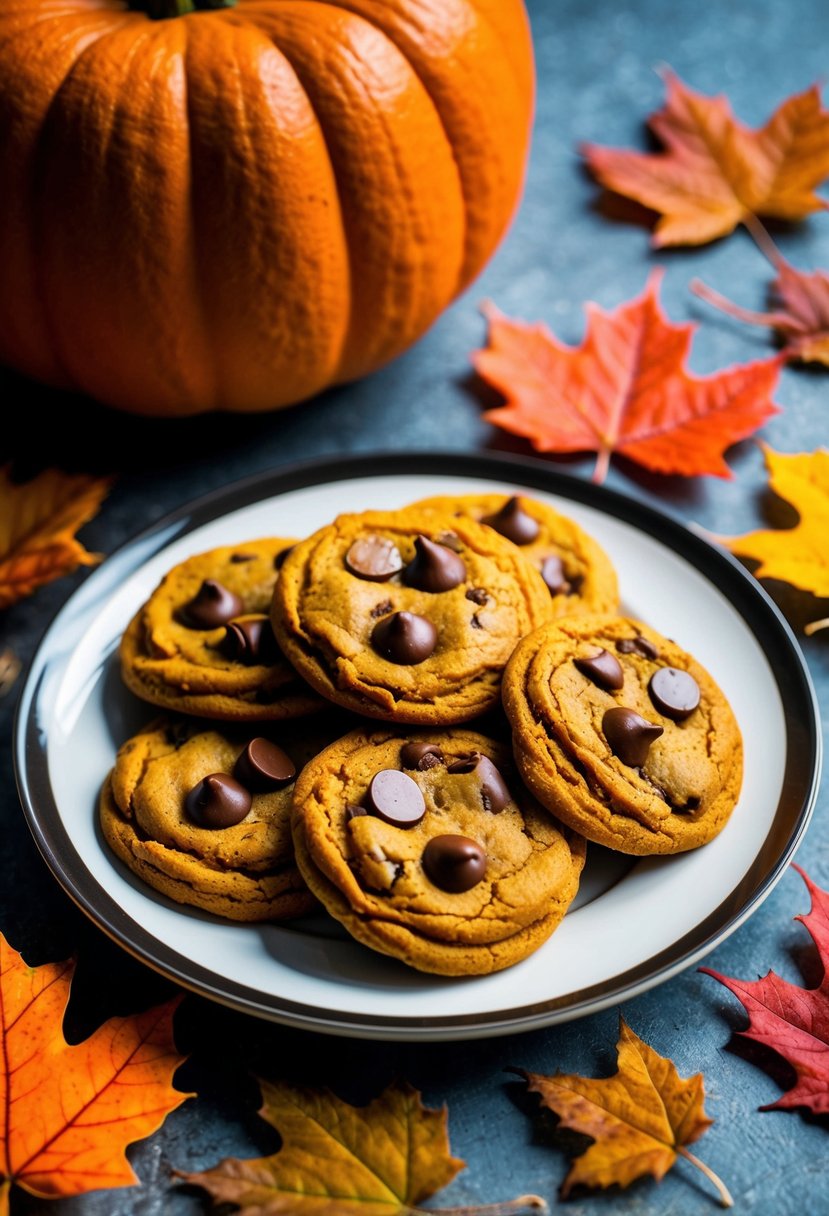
316 750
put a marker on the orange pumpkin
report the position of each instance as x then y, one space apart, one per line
232 209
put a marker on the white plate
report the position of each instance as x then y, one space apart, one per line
636 922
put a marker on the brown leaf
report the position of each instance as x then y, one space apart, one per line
342 1160
38 522
800 313
69 1112
625 389
715 172
639 1119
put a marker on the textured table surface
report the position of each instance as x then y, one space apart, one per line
596 64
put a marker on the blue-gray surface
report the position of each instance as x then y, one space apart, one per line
596 82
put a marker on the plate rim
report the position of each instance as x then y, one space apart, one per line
762 617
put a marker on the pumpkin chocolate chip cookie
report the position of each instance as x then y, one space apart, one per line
623 735
426 847
202 644
577 571
407 616
203 816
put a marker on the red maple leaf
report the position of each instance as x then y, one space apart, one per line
800 315
793 1021
625 390
716 173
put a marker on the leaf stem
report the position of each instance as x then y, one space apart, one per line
725 1197
524 1203
734 310
602 465
5 1187
814 626
762 240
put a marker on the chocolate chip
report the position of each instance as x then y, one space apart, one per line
279 560
218 801
211 606
434 567
604 669
494 792
475 621
395 798
638 645
513 522
263 767
250 641
374 558
420 755
552 571
454 863
382 609
404 638
354 812
629 735
674 693
451 540
238 558
478 595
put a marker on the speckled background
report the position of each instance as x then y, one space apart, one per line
597 81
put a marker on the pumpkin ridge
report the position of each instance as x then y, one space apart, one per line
38 169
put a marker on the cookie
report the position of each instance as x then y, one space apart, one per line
623 735
203 816
203 645
426 847
577 571
386 614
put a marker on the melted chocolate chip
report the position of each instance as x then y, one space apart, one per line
434 567
354 812
552 571
396 798
404 638
494 792
478 595
475 621
250 641
604 669
420 755
279 560
513 522
629 735
374 558
454 863
638 645
451 540
238 558
218 801
263 767
382 609
212 605
674 693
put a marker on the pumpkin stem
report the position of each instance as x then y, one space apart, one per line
159 10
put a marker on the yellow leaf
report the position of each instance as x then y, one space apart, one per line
639 1119
38 522
68 1112
798 555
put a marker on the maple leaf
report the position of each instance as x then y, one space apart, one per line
341 1160
640 1119
794 555
38 522
801 315
625 389
793 1021
67 1113
715 172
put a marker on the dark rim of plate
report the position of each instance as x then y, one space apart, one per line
760 614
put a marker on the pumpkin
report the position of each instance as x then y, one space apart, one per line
206 206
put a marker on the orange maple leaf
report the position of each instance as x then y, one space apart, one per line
715 172
640 1119
38 522
67 1113
801 315
625 390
